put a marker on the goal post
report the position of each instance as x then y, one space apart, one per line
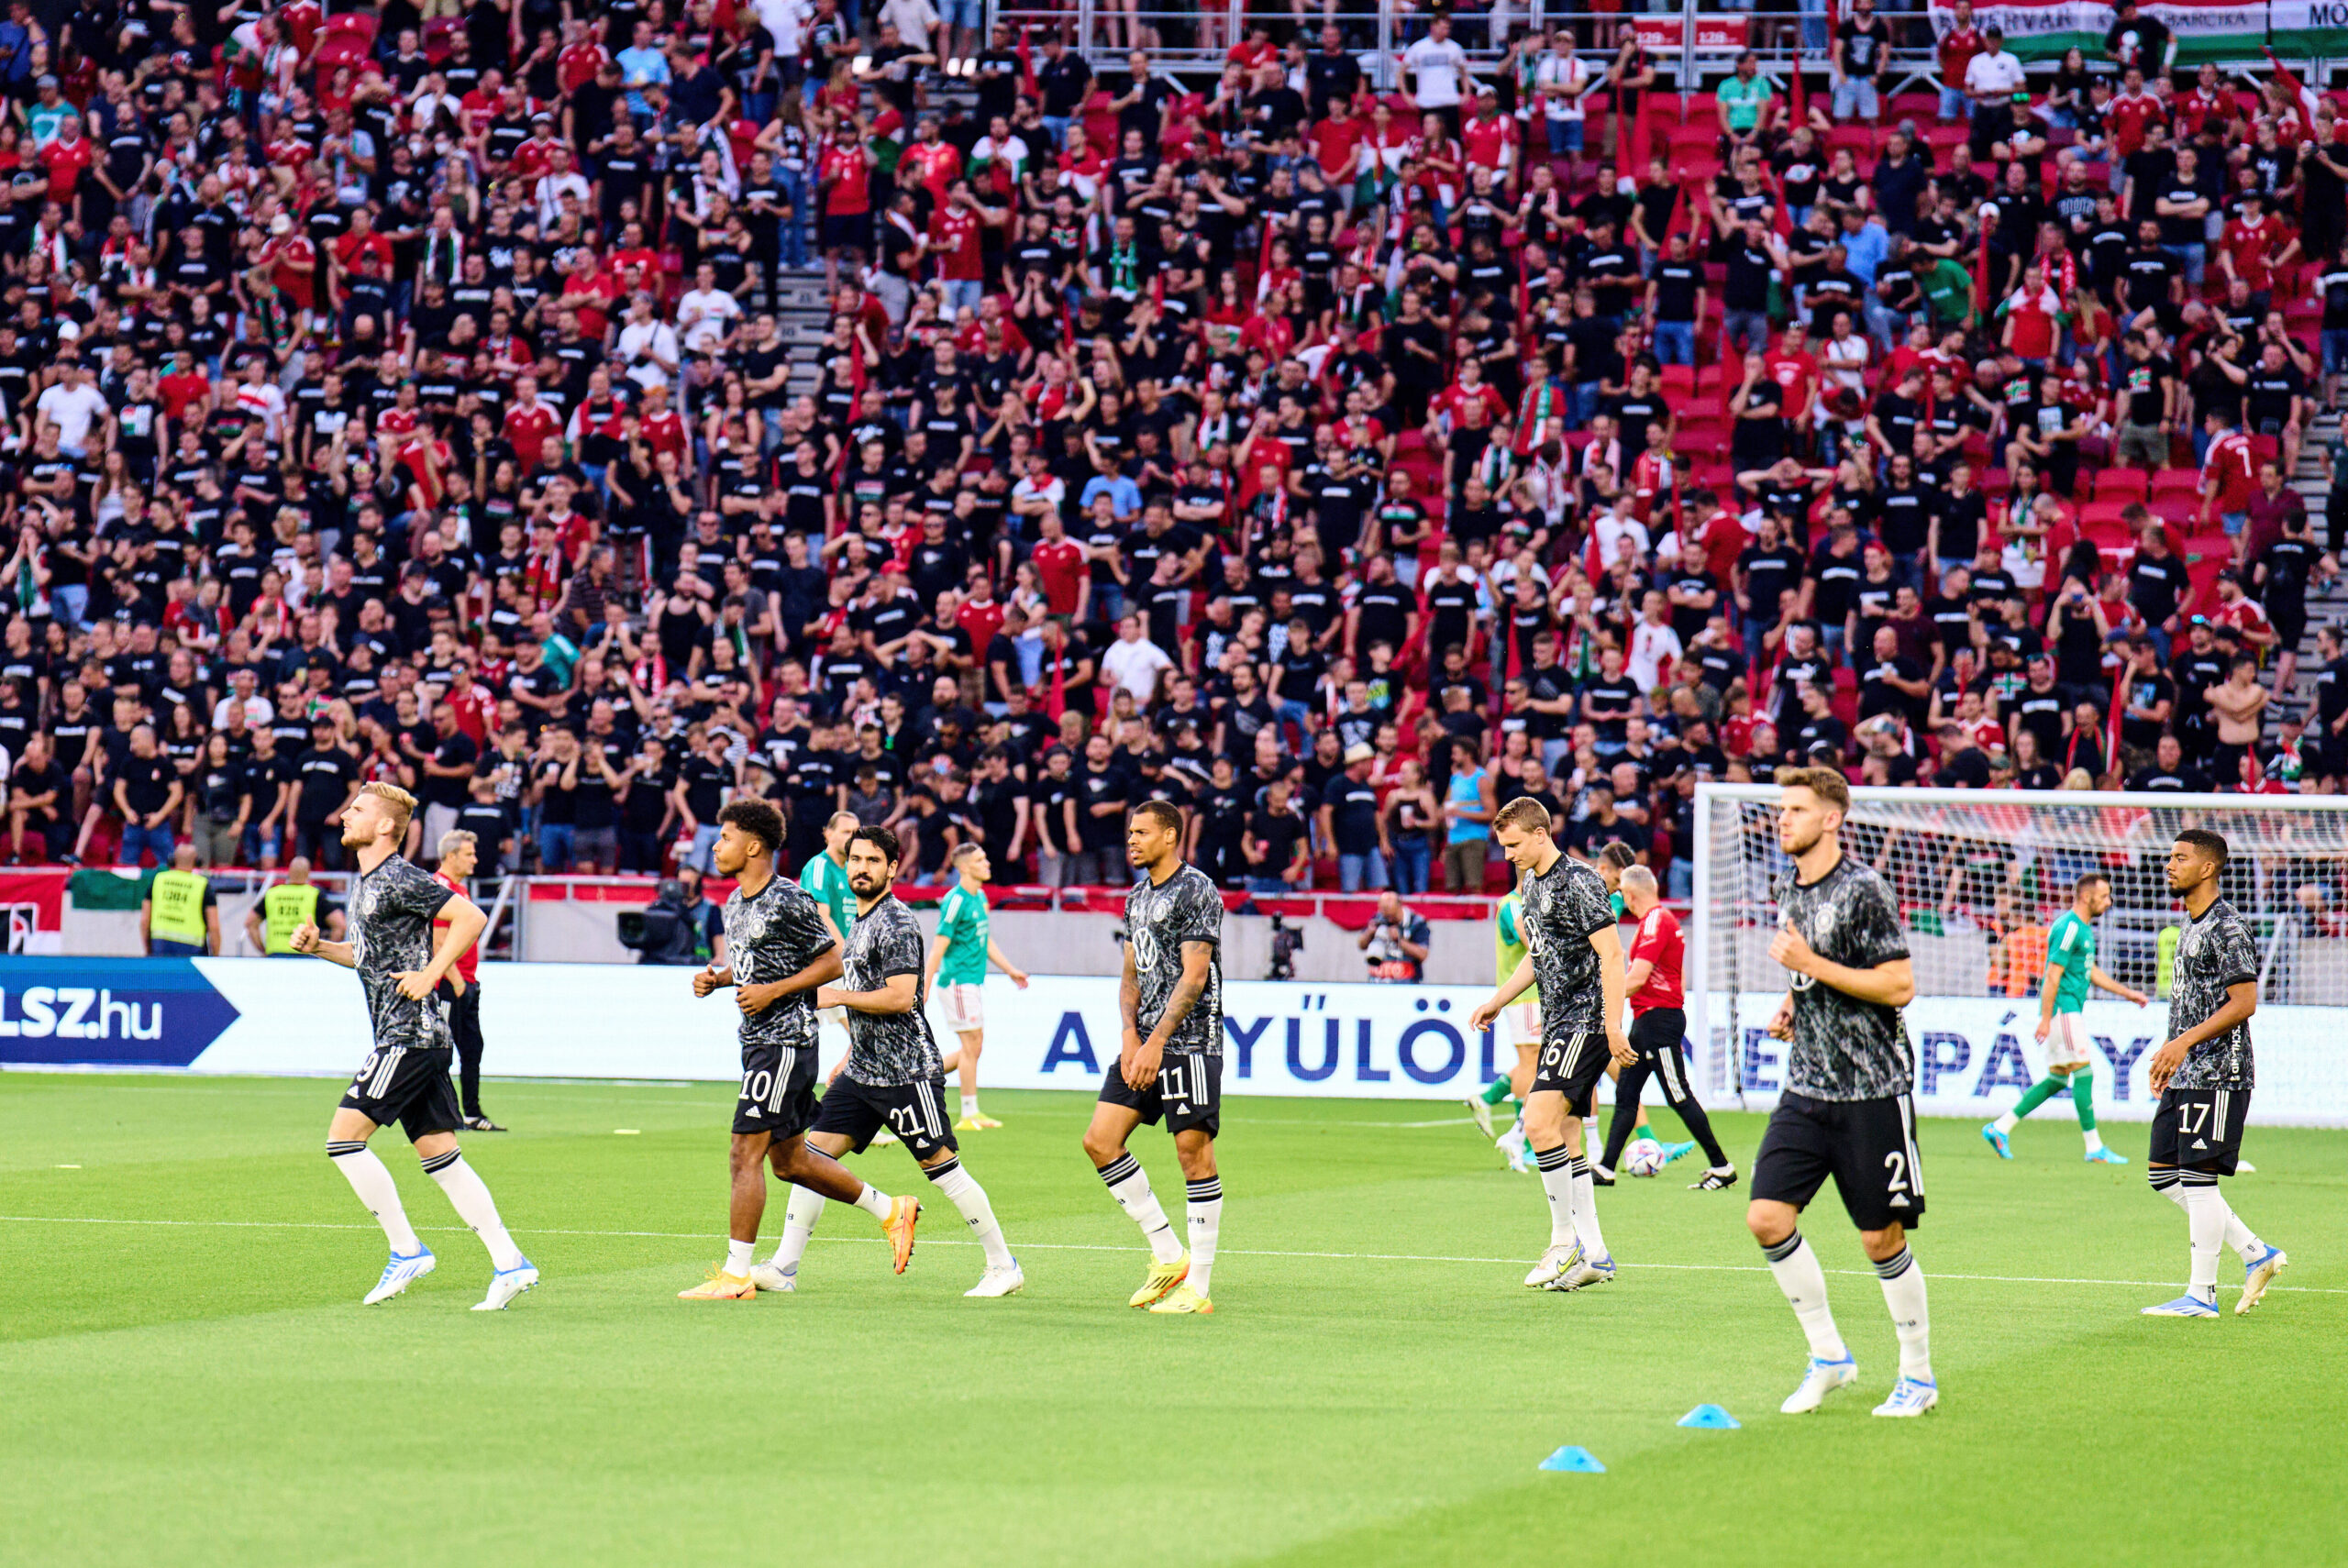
1980 877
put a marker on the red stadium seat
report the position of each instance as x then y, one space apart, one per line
2170 483
2101 522
2121 485
1678 382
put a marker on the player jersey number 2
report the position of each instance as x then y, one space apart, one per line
1896 1184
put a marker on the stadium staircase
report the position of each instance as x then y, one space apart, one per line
2327 602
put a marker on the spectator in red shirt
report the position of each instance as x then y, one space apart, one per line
1957 47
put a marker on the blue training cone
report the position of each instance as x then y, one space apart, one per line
1580 1461
1711 1416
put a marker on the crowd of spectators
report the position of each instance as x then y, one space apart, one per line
409 395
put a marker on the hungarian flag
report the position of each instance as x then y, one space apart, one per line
1534 411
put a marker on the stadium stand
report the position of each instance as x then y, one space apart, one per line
579 414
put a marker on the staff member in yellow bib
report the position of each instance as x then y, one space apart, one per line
285 908
180 916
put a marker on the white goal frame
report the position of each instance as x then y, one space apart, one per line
1718 974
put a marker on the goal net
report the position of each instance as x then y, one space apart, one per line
1980 876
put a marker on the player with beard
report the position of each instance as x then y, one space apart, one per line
777 951
1846 1112
1169 1063
892 1077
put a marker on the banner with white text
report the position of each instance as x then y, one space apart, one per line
1975 1055
2204 29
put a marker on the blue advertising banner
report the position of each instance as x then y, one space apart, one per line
158 1013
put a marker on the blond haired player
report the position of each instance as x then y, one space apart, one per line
1572 944
2062 1022
404 971
958 957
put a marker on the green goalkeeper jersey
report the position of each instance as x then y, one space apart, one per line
826 880
962 920
1508 945
2072 944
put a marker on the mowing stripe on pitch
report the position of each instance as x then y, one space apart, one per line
1091 1247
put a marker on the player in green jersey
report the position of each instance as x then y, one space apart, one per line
2062 1021
1519 1022
958 957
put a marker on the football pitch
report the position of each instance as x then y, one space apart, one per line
189 1377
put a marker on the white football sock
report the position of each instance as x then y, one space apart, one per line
737 1255
969 1105
2093 1138
962 1191
1129 1185
798 1225
2242 1239
875 1202
1805 1282
1206 1221
1903 1292
1558 1185
2205 1221
2007 1122
373 1182
468 1196
1585 1213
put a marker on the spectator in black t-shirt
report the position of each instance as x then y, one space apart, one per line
1100 793
40 797
1963 766
326 777
1278 859
1349 822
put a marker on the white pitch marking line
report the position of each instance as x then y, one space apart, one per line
1094 1247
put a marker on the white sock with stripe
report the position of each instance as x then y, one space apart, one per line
798 1225
961 1189
1558 1185
371 1180
1799 1274
2205 1226
875 1202
468 1196
1903 1292
1206 1222
1585 1210
1129 1185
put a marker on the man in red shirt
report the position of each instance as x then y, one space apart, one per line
529 421
1795 369
2229 474
67 157
1957 48
2131 110
458 851
954 240
581 58
1063 565
2255 244
846 172
1658 1030
1490 138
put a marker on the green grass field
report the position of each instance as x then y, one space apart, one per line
189 1379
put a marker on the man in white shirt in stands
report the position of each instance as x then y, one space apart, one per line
1559 82
648 346
74 405
707 313
1135 663
1991 80
1438 71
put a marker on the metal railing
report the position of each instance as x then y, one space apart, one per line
1691 42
